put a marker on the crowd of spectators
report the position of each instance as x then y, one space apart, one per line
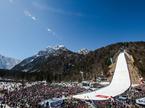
29 95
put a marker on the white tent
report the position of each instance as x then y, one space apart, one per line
119 84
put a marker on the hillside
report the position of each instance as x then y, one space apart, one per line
64 64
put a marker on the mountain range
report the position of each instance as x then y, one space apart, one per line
61 64
7 62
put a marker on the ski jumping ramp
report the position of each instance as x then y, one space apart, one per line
120 83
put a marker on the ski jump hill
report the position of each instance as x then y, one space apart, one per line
120 83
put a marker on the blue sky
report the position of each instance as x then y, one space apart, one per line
27 26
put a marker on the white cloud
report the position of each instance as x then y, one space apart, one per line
34 18
49 30
53 34
27 13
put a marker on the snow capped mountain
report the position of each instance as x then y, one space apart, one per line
83 51
37 62
7 62
51 51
